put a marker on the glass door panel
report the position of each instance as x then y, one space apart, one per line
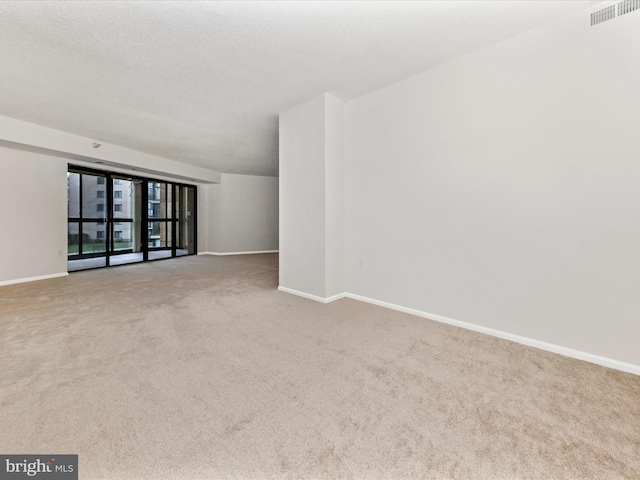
185 226
159 234
73 235
73 195
87 220
168 234
122 236
94 237
124 196
159 213
157 200
94 197
190 220
126 201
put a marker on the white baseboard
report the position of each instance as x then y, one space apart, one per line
336 297
238 253
312 297
530 342
549 347
33 279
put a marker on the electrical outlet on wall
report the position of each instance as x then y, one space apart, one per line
360 263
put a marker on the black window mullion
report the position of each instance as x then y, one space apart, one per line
195 219
109 219
174 189
144 218
80 228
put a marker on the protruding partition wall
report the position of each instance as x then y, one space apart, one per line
311 198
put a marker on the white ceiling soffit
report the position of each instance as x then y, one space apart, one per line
203 82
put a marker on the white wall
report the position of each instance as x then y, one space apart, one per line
503 189
311 197
113 157
302 197
33 215
243 214
334 195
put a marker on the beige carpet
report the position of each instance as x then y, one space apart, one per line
197 368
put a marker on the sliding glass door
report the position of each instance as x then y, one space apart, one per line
185 220
115 219
125 221
87 218
160 219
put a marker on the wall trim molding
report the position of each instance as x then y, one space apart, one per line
336 297
33 279
238 253
530 342
309 296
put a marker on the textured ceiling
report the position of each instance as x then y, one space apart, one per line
203 82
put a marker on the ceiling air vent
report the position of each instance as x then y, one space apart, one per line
604 14
615 9
628 6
